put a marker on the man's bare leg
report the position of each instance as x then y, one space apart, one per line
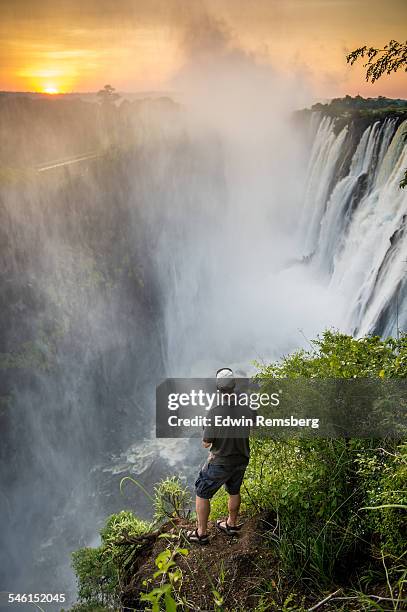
233 507
203 508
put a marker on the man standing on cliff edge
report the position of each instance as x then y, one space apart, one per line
226 463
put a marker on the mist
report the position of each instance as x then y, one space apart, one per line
232 289
180 247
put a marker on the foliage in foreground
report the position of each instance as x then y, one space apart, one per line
101 571
98 569
336 507
171 577
172 499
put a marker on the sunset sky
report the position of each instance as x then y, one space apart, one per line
136 45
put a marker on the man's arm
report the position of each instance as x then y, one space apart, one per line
208 435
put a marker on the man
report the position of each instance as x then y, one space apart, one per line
227 461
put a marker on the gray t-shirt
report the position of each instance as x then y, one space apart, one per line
229 442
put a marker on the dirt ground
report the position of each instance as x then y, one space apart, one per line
232 565
240 568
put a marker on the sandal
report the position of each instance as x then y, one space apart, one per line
194 537
228 529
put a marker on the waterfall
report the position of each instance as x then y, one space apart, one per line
192 247
323 163
357 221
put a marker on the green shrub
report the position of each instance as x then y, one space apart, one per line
101 570
336 355
317 487
172 499
385 497
118 527
334 505
97 577
166 581
98 570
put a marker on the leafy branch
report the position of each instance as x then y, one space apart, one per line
390 59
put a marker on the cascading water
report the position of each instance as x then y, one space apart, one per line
358 217
200 246
323 163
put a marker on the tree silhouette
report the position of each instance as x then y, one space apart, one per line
108 95
381 61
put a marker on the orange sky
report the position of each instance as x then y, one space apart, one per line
78 45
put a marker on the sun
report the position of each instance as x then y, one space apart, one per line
51 90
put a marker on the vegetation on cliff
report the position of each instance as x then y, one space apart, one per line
353 107
323 516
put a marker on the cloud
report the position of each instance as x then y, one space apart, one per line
150 40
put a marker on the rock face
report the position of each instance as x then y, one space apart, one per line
83 329
80 337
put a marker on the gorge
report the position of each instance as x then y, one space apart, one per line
178 250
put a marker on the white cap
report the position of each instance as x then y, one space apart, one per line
225 379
